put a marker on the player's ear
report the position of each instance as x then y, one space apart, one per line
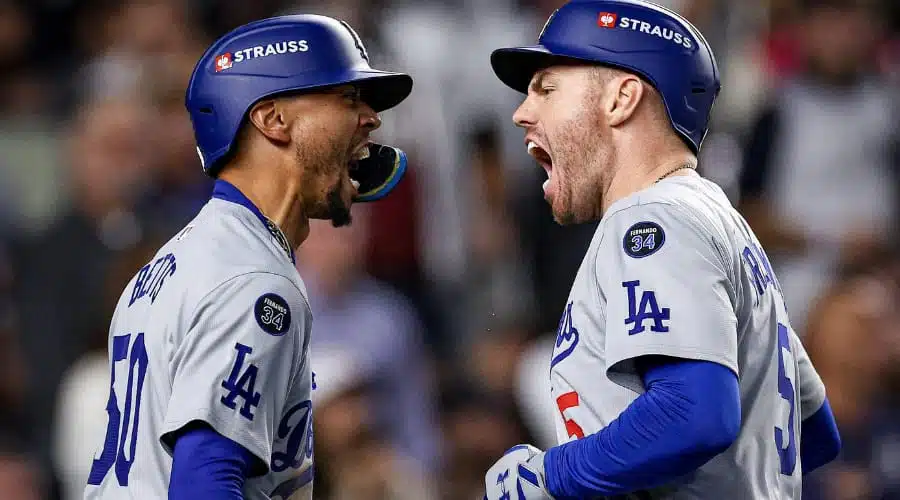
623 95
269 117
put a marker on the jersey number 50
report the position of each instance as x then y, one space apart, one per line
121 427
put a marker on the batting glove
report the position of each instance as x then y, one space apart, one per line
518 475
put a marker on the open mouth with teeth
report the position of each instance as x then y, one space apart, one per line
544 159
353 165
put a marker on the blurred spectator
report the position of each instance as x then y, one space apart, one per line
136 39
61 271
446 46
478 428
854 341
20 476
29 191
819 181
377 327
354 457
499 300
178 189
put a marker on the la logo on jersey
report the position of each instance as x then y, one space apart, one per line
647 310
241 383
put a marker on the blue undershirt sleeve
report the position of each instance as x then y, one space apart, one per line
690 413
208 465
820 440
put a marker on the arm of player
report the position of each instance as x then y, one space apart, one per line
670 336
689 414
231 374
208 465
820 441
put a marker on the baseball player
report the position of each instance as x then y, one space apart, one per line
676 373
210 374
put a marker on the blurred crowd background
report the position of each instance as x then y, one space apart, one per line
435 312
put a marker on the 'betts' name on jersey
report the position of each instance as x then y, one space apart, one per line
675 271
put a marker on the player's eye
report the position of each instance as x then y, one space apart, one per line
353 95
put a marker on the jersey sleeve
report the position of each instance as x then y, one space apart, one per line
667 289
811 387
233 368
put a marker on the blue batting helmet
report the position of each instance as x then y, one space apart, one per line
633 35
287 54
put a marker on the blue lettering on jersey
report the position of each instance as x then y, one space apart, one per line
241 383
501 480
286 490
151 277
647 309
760 269
295 425
566 333
297 448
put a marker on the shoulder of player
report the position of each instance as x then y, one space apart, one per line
681 200
229 235
255 285
661 217
253 279
661 210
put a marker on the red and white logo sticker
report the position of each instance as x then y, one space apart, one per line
223 62
607 19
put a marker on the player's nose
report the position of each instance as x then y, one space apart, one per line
368 118
524 115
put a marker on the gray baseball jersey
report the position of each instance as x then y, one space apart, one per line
215 329
674 270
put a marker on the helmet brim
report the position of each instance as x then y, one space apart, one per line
515 66
382 90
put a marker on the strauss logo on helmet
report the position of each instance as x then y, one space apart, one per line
607 20
223 61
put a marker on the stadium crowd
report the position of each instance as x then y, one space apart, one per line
435 311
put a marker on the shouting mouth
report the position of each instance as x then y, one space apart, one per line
544 159
361 153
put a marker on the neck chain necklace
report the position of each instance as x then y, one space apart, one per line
676 169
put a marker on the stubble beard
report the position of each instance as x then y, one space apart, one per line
580 187
321 164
